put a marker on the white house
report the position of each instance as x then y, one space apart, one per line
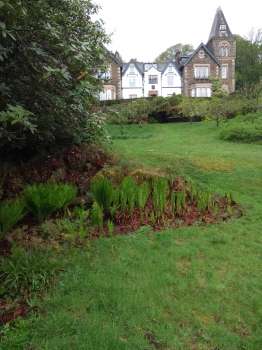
150 79
171 80
132 80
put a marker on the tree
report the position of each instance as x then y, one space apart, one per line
217 105
49 53
170 53
249 63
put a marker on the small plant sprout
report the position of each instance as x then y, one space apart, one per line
110 227
97 216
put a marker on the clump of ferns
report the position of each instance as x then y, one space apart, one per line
206 201
160 192
178 202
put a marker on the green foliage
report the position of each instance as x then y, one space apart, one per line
11 212
170 53
26 272
249 64
159 195
46 198
204 200
103 192
49 54
143 192
97 215
127 194
67 229
246 129
110 227
178 201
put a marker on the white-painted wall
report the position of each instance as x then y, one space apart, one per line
169 89
149 87
142 86
137 88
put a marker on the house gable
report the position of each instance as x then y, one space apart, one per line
197 53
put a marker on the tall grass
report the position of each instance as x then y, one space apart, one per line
159 195
11 212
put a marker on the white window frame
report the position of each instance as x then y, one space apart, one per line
201 71
224 71
132 82
170 80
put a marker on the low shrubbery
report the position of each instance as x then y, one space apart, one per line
244 129
156 201
178 108
26 272
45 199
11 212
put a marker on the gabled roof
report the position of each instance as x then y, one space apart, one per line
164 66
219 20
144 67
115 57
139 66
203 47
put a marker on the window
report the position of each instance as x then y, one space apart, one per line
201 72
132 69
132 96
223 27
224 71
223 51
201 54
132 82
201 92
152 79
223 33
170 69
170 80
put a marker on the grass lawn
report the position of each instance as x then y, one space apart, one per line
193 288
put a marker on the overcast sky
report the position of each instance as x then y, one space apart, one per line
142 29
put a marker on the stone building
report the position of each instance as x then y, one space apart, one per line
112 80
190 75
216 59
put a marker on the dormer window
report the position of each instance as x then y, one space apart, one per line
132 69
223 27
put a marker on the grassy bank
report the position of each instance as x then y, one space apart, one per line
189 289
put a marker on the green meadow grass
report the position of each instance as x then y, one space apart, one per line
194 288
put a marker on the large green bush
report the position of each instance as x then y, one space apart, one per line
49 53
244 129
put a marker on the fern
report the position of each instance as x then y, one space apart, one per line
97 216
103 192
160 193
45 199
143 192
11 212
